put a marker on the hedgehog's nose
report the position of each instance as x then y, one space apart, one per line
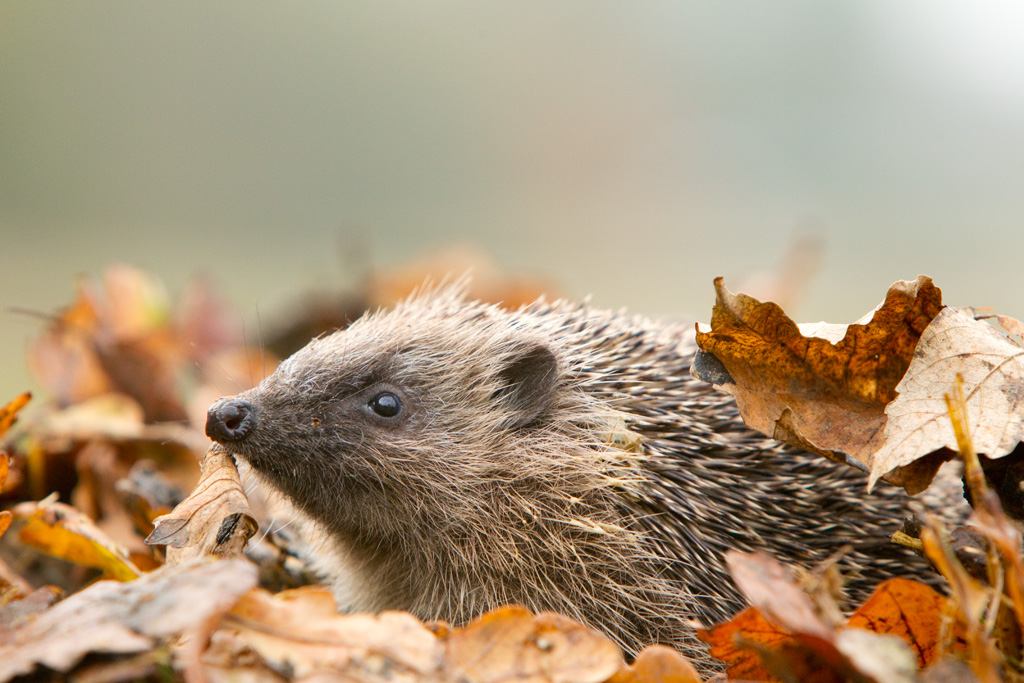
230 419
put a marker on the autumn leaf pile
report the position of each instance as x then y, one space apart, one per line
104 461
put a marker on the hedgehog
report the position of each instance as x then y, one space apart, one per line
454 456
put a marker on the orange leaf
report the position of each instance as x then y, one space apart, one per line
5 467
908 609
8 414
730 643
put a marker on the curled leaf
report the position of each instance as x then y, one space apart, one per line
826 394
214 519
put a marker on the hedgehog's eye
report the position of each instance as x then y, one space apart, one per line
385 404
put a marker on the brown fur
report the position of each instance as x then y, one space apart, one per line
559 457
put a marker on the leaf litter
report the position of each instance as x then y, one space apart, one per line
872 394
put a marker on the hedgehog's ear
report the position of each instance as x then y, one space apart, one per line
528 380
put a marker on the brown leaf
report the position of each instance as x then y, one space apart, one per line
119 339
213 520
820 395
62 531
769 586
907 609
511 644
301 631
109 416
18 612
112 617
992 367
657 663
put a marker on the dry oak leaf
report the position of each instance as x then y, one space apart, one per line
300 632
512 644
118 618
826 394
657 663
992 367
214 519
62 531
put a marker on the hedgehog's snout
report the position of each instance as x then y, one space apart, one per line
230 420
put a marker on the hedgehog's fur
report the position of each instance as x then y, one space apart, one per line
558 457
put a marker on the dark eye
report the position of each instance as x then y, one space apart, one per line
385 404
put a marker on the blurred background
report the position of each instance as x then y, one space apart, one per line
631 151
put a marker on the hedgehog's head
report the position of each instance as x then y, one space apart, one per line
424 416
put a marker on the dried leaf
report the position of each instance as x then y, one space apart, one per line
9 413
214 519
109 416
511 644
881 658
730 643
821 396
992 367
18 612
5 521
949 671
783 637
301 631
121 339
657 663
769 586
111 617
907 609
64 358
62 531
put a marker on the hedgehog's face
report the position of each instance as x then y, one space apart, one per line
392 424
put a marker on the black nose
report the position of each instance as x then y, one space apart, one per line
230 420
